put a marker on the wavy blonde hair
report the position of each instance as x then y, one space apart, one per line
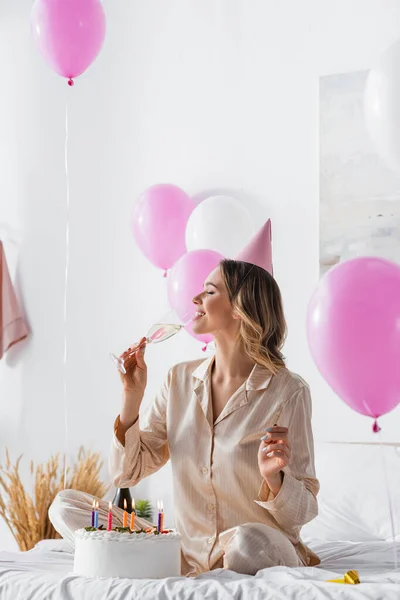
257 299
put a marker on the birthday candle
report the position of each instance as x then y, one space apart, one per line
132 525
109 525
160 516
93 511
96 515
125 519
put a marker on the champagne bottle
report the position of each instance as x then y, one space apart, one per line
123 494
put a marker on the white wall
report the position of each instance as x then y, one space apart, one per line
210 94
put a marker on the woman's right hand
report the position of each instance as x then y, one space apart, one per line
134 383
135 379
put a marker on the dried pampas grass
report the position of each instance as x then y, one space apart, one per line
27 516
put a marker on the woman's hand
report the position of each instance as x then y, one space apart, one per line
134 383
273 456
135 379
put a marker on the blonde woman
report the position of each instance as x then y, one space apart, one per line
236 428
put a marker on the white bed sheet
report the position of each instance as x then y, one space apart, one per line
45 573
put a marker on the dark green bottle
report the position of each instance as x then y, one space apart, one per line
123 494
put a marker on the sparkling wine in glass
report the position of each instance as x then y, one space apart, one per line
165 328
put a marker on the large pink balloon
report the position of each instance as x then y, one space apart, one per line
69 33
353 327
159 222
186 280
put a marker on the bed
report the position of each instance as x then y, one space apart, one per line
352 531
46 573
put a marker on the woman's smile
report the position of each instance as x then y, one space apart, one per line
198 314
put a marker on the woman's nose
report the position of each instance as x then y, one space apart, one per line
197 299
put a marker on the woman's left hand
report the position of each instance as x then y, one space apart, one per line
274 452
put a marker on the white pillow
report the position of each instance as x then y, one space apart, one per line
353 502
56 545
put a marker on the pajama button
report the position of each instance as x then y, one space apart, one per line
210 507
205 470
210 541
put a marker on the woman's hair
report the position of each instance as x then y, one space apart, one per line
256 297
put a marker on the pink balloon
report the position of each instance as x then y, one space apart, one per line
353 327
69 33
159 222
186 280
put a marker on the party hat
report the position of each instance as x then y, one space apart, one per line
259 250
349 577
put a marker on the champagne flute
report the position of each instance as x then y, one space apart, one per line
162 330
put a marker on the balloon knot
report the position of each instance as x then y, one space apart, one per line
71 82
204 348
375 427
165 273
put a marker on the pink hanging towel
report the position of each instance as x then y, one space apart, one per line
13 327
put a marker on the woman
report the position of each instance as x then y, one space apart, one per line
237 429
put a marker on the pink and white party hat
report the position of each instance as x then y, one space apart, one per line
259 250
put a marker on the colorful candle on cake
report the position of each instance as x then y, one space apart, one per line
93 511
96 515
132 525
125 518
160 507
109 524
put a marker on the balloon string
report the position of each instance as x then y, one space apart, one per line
389 499
65 294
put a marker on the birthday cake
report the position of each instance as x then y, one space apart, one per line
144 554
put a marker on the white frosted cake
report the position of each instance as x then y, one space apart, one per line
101 553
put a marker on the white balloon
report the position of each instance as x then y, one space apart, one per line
382 105
219 223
